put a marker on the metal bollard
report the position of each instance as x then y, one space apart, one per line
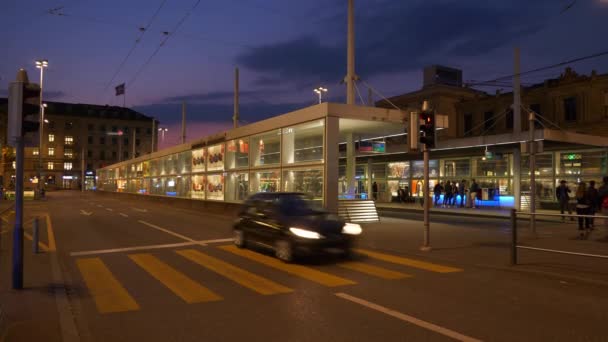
513 237
35 236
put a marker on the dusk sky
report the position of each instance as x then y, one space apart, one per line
283 49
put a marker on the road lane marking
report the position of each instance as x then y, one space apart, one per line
184 287
167 231
139 248
410 319
409 262
86 213
140 210
109 295
247 279
50 234
218 240
109 209
123 215
100 206
41 245
374 270
308 273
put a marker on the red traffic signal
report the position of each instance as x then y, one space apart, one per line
428 128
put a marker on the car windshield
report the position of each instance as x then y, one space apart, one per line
297 205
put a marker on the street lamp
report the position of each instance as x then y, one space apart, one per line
162 131
41 64
320 91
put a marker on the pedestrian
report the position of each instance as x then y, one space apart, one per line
603 199
594 201
582 208
461 191
454 193
447 197
562 193
437 190
473 193
375 191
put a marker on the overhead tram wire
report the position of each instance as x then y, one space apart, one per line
141 35
162 43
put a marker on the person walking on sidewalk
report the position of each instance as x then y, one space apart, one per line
562 193
447 198
461 192
375 191
437 192
583 202
473 193
602 194
594 201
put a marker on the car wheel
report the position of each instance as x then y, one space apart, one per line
239 238
283 250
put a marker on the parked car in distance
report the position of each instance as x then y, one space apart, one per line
292 225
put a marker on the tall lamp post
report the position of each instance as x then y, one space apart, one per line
41 64
320 92
162 131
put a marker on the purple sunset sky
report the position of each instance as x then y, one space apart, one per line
283 49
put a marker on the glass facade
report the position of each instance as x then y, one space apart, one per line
303 143
266 149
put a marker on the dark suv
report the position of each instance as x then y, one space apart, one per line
291 225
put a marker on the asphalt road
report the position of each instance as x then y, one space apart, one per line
142 271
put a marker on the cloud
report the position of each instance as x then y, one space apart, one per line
399 36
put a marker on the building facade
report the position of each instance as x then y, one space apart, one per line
77 139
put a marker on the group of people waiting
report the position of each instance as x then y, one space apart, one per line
452 190
589 201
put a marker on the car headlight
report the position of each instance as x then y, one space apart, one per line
307 234
351 229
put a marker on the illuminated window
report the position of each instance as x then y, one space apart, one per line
51 151
50 166
69 140
14 165
51 137
68 153
35 151
67 166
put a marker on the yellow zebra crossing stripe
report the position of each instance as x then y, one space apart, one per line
184 287
247 279
109 295
408 262
308 273
372 270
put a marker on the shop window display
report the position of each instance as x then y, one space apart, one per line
544 165
237 186
184 184
303 143
184 163
399 170
170 186
308 181
156 186
154 168
198 186
170 164
588 163
146 168
545 188
215 187
266 149
418 168
265 181
237 154
458 168
198 160
483 167
215 158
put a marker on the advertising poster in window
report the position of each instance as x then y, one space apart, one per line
399 170
198 186
198 160
215 187
215 159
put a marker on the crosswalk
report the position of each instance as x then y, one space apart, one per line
110 296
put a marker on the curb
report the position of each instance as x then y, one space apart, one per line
420 211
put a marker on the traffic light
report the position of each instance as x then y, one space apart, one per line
23 107
428 129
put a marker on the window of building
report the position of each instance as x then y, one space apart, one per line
125 141
148 131
458 168
237 154
89 154
90 127
50 166
309 181
266 148
137 142
509 119
215 158
114 129
90 140
67 166
468 124
125 129
488 118
35 152
114 155
137 130
102 140
51 124
69 125
303 143
51 151
102 128
114 141
570 109
51 137
14 165
68 153
125 155
69 140
102 155
536 109
265 181
89 166
136 154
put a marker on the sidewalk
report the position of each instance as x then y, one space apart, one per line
29 314
477 212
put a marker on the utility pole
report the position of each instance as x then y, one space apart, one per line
82 170
41 64
183 122
532 156
153 135
516 130
133 144
370 97
350 58
235 118
427 203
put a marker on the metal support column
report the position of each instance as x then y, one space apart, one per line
427 203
